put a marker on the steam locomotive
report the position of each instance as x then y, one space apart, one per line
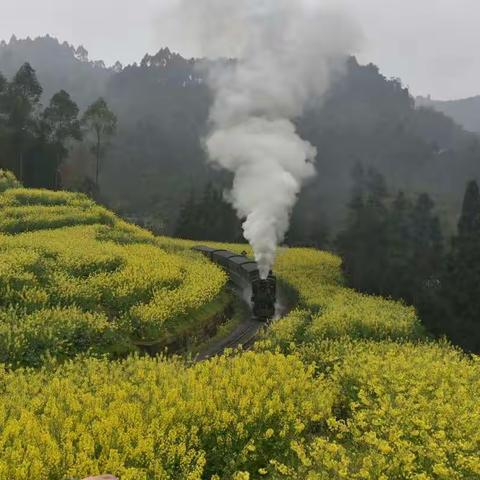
244 273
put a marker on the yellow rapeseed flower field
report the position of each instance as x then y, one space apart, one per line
347 386
157 419
328 309
79 287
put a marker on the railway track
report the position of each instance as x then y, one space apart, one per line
246 333
243 336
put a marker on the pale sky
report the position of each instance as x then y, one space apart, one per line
432 45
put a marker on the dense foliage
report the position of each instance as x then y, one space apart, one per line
328 310
209 215
146 418
393 246
29 210
403 411
458 298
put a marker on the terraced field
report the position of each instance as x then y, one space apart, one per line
346 386
74 278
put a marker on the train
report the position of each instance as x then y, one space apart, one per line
244 273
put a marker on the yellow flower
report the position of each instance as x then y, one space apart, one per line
269 433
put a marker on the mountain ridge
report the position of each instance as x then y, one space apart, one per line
465 111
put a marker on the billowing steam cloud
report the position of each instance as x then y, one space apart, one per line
286 55
270 162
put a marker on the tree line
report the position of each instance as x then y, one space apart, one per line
35 141
207 216
393 245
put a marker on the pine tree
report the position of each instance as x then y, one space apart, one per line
469 223
366 232
462 281
186 219
210 218
394 249
397 276
427 246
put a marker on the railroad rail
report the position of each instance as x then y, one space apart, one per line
243 336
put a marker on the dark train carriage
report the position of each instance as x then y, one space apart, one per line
222 257
207 251
244 268
244 273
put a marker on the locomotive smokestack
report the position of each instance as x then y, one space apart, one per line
286 54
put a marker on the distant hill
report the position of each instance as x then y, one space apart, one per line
465 112
59 66
162 104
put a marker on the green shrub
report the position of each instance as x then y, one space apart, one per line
8 180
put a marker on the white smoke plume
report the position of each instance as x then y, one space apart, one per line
287 52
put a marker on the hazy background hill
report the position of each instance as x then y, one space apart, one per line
162 104
465 112
58 65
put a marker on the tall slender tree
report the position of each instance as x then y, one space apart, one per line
366 232
398 269
187 219
59 124
3 91
101 124
427 242
462 282
23 102
469 223
3 121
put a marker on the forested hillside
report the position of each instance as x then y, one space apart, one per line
60 66
162 104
